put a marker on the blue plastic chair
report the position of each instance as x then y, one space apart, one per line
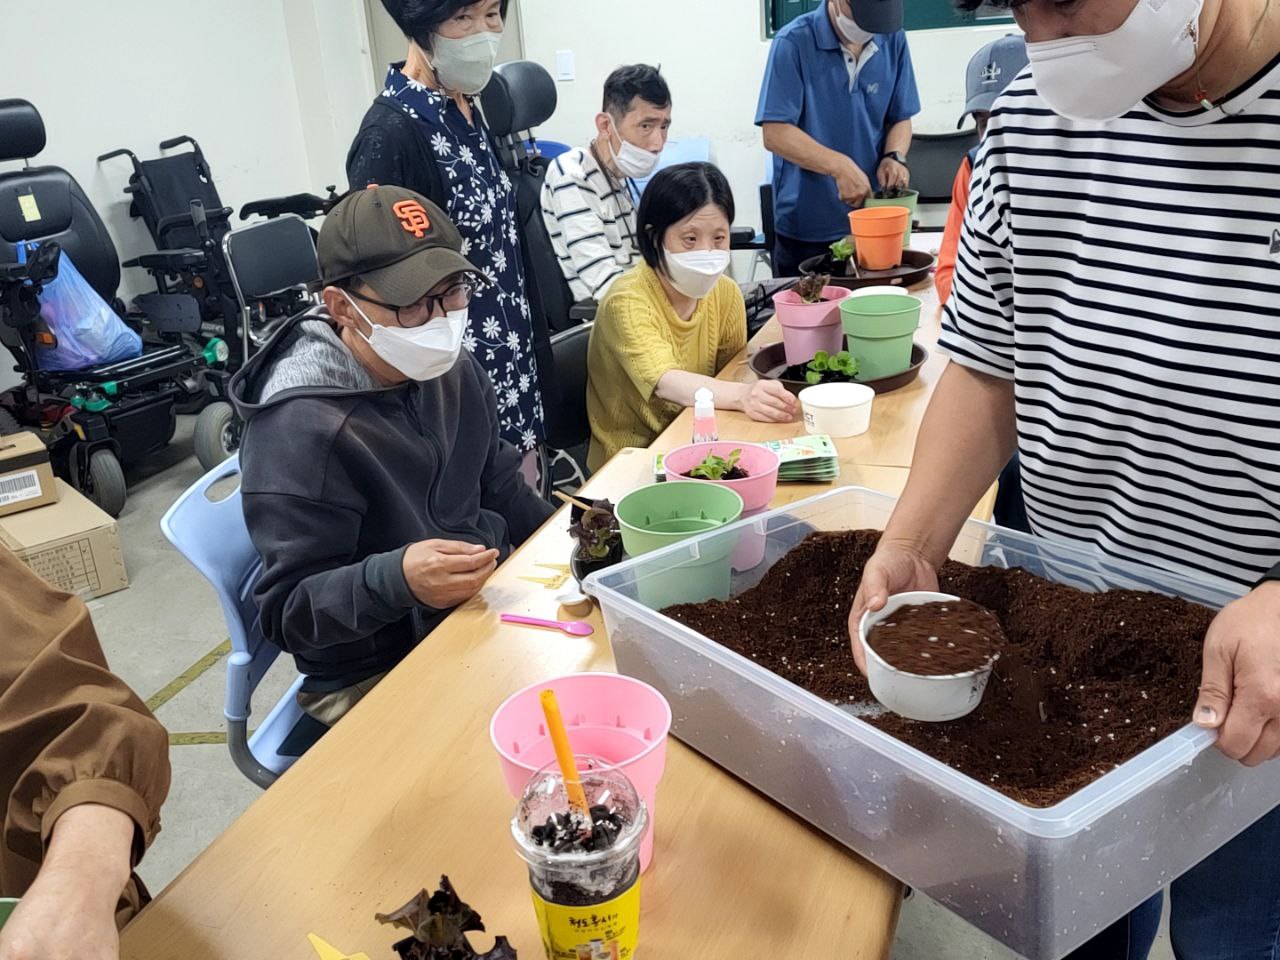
212 535
682 150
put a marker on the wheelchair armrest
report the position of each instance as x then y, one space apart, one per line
744 238
170 261
305 205
583 310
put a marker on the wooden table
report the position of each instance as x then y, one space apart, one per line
408 787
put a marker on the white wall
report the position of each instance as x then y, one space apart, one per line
713 55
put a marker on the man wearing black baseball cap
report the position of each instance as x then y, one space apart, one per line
835 110
375 486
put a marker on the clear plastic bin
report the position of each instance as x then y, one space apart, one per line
1041 881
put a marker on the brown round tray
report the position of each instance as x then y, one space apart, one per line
771 359
915 268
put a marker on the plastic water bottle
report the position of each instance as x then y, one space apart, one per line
704 416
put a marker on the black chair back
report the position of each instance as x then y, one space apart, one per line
45 203
567 424
163 190
270 256
935 158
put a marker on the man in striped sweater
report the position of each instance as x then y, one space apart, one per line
589 196
1115 317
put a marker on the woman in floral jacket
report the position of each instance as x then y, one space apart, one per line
425 132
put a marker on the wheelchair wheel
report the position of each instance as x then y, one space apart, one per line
103 482
216 436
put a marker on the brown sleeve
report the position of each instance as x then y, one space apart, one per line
70 731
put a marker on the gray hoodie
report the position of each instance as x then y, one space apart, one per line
341 475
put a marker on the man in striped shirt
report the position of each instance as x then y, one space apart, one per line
1115 316
589 196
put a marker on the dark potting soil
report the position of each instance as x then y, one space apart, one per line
937 639
569 831
799 371
737 473
1085 681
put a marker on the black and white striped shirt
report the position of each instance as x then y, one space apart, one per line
1126 277
591 219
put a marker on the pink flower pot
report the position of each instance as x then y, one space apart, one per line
810 327
760 463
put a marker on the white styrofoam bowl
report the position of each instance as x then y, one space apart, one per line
837 409
876 291
931 699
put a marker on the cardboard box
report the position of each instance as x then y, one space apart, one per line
72 544
26 478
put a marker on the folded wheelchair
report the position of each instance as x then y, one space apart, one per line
98 420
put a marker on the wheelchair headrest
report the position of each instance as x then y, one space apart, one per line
21 130
520 96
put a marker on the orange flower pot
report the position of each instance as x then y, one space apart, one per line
878 234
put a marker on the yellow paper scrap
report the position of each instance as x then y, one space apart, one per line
30 209
327 951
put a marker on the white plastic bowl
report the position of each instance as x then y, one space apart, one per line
877 291
931 699
837 409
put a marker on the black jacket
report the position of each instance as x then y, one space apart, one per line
338 482
390 150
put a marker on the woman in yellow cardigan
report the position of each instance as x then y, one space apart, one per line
671 324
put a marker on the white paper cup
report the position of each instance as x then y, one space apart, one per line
877 291
838 409
931 699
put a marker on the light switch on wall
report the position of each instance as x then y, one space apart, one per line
565 66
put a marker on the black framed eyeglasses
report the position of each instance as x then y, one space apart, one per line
456 297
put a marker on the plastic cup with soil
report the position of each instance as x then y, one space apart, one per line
877 234
584 870
663 514
897 198
930 655
809 314
879 331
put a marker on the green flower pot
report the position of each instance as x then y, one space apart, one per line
879 330
910 200
663 514
7 906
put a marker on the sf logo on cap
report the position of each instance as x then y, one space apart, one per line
413 218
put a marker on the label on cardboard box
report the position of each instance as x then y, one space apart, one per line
17 487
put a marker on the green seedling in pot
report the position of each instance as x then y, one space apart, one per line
842 250
597 532
831 367
810 288
716 468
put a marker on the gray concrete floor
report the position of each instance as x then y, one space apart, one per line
168 619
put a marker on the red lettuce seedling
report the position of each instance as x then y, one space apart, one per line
439 923
810 288
597 532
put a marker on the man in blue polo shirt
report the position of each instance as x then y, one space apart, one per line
836 107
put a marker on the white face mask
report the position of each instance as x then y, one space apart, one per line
852 32
695 273
465 65
1103 77
632 161
421 353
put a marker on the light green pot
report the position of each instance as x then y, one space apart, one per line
663 514
910 200
7 906
879 330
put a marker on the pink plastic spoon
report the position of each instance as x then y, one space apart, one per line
574 628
